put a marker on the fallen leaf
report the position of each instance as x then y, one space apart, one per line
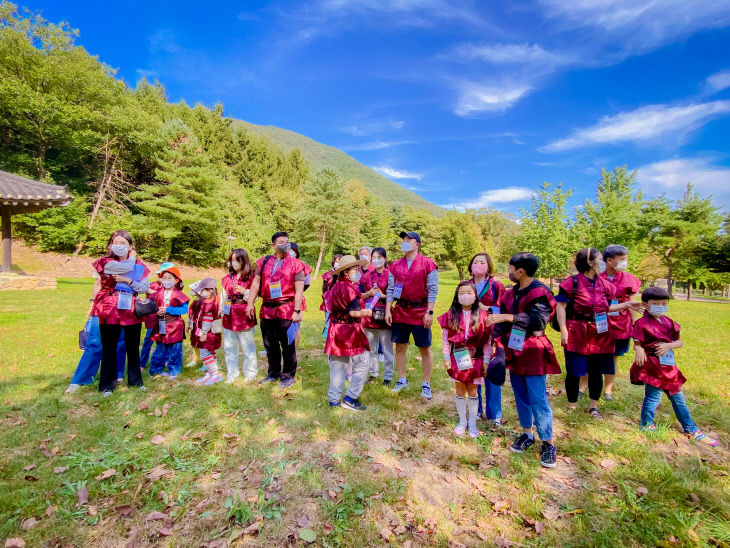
252 529
539 527
70 437
165 409
158 412
158 471
307 535
303 521
551 513
127 412
694 498
28 477
272 421
83 496
502 542
317 423
139 435
142 406
91 510
14 543
693 536
501 505
51 510
157 440
385 532
29 524
608 464
106 474
28 468
332 494
641 491
154 516
165 531
327 529
215 475
123 510
60 469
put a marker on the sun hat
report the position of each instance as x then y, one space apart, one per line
164 266
348 261
208 283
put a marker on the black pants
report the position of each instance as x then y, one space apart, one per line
109 339
277 346
595 382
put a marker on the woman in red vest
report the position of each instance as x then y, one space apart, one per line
412 290
374 284
121 278
238 327
280 278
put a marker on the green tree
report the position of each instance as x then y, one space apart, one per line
546 230
461 237
500 234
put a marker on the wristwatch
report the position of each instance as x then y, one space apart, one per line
430 312
297 311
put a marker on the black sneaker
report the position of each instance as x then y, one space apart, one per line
595 413
548 455
387 382
521 444
268 379
372 379
286 383
352 405
334 404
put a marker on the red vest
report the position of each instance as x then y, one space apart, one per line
198 309
588 300
174 325
412 304
488 293
151 319
105 303
648 331
624 285
345 336
307 272
368 281
237 319
282 308
537 356
328 280
474 342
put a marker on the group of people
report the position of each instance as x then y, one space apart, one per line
372 310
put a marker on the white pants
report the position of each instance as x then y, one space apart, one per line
231 341
338 374
380 337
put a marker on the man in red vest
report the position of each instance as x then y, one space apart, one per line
280 279
412 289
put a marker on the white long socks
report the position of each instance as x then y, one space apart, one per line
461 409
473 408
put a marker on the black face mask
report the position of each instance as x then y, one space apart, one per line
512 277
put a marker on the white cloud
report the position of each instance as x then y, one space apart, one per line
672 176
397 173
370 128
645 124
495 196
475 98
164 40
718 81
510 54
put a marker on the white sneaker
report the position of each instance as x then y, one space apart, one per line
231 380
191 363
106 394
249 379
72 388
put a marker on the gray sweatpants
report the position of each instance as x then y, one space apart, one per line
338 374
380 337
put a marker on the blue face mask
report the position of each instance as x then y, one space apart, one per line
659 309
600 267
356 277
405 247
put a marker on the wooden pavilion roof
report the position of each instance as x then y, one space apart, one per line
23 195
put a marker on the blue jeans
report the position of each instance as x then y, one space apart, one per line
144 356
90 360
170 354
532 402
492 400
652 397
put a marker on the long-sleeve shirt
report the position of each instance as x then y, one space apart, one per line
122 268
432 285
534 319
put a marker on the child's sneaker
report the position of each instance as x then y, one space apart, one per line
213 379
473 431
707 440
459 429
231 379
106 393
205 378
203 368
400 385
595 413
497 423
548 455
191 363
164 374
353 404
648 428
521 444
334 404
72 388
426 390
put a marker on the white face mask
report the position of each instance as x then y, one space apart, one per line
622 265
466 299
355 276
336 266
235 265
405 247
364 257
659 309
167 284
377 263
120 250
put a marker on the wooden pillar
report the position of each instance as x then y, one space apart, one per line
7 241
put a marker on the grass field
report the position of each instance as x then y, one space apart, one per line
254 465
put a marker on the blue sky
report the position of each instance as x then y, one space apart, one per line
467 103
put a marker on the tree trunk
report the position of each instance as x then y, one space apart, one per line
669 280
689 289
461 273
552 280
321 252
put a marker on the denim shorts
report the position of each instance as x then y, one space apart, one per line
402 334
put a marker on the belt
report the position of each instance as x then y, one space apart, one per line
275 304
412 304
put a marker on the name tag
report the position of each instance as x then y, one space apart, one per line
516 339
227 307
162 324
667 359
601 322
125 301
613 302
397 290
463 359
495 310
275 290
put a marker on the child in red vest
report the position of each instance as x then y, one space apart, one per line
465 346
169 327
656 336
203 313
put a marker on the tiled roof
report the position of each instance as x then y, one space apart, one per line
25 195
